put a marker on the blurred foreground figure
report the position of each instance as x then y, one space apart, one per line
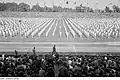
16 53
34 51
54 53
54 48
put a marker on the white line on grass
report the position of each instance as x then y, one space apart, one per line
50 28
39 34
55 28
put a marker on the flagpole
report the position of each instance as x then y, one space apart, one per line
53 5
67 6
45 6
74 4
118 2
109 3
96 5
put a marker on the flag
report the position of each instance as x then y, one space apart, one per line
96 3
110 3
60 2
66 2
81 5
74 2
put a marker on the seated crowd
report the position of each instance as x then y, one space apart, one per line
55 65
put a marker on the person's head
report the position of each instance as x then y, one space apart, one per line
65 64
41 68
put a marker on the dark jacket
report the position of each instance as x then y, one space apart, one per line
63 72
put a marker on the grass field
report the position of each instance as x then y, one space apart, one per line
70 32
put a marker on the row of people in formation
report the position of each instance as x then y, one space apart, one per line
73 28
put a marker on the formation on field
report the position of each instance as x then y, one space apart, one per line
60 27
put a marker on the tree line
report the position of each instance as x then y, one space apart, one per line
23 7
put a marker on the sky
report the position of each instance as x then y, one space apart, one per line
91 3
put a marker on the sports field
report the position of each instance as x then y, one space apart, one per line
70 33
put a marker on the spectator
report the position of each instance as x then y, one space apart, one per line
64 66
50 72
41 73
63 71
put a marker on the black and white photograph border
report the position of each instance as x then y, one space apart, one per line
59 39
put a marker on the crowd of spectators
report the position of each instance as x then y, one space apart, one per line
55 65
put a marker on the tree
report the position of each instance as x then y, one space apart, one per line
37 8
11 6
107 9
2 6
24 7
91 10
116 8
